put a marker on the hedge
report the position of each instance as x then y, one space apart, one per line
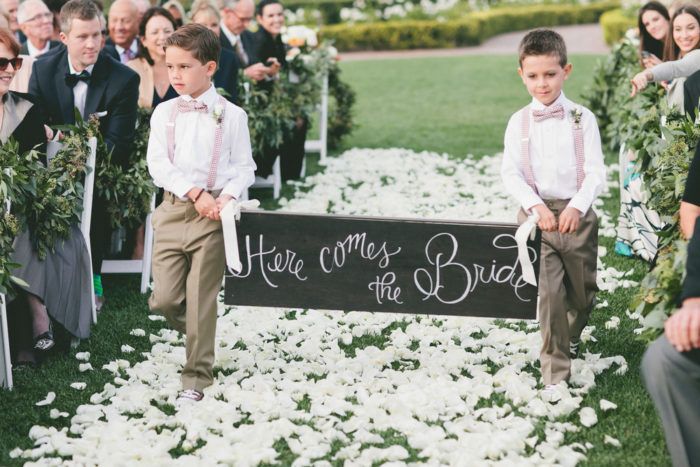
470 30
615 24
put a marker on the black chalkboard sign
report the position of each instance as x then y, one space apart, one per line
381 264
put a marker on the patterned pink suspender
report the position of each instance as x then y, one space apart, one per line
526 164
218 140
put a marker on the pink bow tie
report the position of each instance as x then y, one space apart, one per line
191 106
555 111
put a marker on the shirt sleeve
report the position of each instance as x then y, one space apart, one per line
593 166
165 174
511 169
682 68
241 156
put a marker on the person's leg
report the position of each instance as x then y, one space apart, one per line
673 381
554 355
170 263
205 246
293 152
580 263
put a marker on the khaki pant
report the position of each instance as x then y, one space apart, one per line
567 287
188 267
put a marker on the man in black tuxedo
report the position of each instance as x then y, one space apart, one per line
236 15
79 76
36 22
691 93
671 364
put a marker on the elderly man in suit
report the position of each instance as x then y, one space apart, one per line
236 15
123 26
36 22
79 77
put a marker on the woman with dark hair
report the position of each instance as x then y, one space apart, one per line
56 287
155 28
271 51
681 56
654 23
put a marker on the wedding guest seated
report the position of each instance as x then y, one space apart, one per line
654 24
682 57
11 7
57 286
269 50
226 76
36 22
236 15
671 367
177 11
123 27
79 76
155 28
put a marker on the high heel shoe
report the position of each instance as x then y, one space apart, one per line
44 342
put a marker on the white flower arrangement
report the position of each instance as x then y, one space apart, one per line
299 36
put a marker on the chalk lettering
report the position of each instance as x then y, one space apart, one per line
336 257
383 288
271 261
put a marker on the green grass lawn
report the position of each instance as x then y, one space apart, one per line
455 105
458 105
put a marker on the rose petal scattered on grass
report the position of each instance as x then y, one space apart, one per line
612 441
606 405
48 400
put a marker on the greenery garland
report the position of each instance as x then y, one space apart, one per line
664 141
273 107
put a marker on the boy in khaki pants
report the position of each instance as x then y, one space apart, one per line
199 153
553 165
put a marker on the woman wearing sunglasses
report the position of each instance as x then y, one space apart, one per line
34 306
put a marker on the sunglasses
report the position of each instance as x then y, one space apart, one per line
16 63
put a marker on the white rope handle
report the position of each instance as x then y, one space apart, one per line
229 215
527 229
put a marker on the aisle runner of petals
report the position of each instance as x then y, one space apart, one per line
357 388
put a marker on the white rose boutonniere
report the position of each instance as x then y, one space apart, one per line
576 116
219 113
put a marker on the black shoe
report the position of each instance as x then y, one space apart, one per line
45 342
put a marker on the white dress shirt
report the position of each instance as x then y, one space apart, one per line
80 90
134 48
553 158
34 52
194 145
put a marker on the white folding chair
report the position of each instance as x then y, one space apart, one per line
320 145
5 361
275 184
136 266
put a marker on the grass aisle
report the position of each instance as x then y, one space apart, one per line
435 104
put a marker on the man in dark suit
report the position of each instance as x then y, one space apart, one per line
671 365
236 15
36 22
79 76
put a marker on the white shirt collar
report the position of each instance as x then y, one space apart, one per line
209 97
73 71
537 105
134 47
232 38
33 51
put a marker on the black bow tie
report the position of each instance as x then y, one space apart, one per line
72 80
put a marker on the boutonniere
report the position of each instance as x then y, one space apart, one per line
219 113
576 116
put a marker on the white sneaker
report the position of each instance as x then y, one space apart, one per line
551 393
189 396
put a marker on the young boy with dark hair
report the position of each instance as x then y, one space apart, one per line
199 152
553 165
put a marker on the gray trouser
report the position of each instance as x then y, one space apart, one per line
673 381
